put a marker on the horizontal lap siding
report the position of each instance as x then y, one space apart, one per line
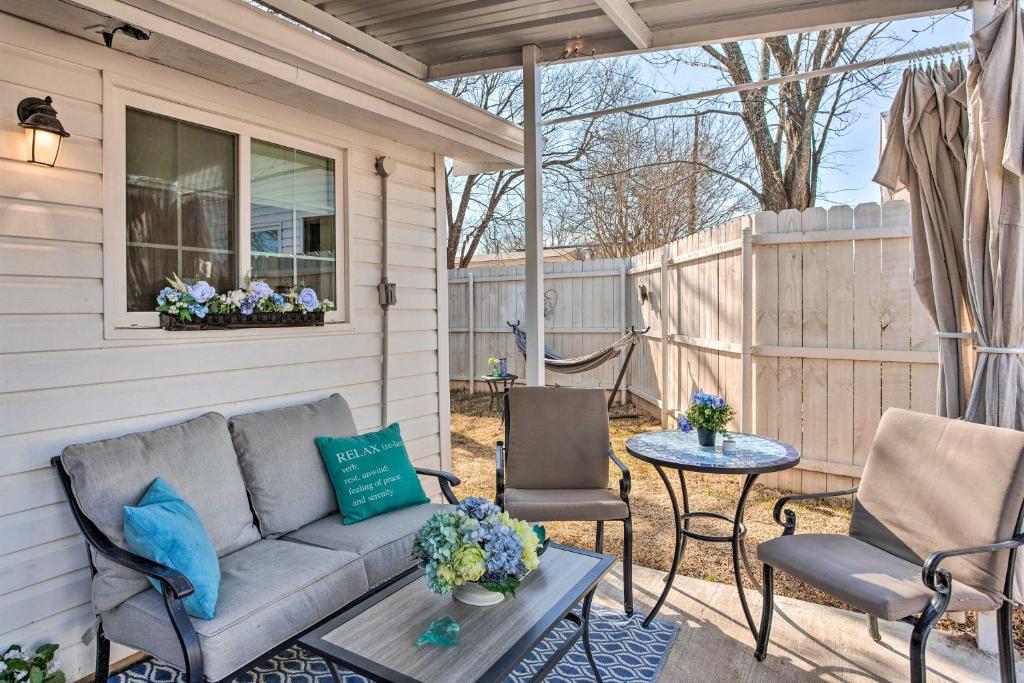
62 383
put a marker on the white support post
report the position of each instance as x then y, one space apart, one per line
472 334
534 186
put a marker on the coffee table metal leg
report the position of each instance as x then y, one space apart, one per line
739 550
586 635
334 671
677 552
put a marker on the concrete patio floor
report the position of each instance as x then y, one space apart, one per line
809 642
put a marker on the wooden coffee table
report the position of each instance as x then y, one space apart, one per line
376 637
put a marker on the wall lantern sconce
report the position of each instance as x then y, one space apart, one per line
43 129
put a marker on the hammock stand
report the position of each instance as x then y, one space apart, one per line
554 362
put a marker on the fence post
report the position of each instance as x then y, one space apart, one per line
623 322
747 329
472 350
662 319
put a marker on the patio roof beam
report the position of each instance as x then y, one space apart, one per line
778 80
533 148
629 22
307 14
805 16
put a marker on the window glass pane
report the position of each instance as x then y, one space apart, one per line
293 218
180 205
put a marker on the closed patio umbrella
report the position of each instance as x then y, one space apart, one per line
924 153
994 218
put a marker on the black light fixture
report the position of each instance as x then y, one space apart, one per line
43 129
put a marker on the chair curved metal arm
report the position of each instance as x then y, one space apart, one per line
445 479
789 525
934 576
626 481
499 476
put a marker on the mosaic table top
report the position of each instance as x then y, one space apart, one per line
680 450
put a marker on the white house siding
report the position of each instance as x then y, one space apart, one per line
61 382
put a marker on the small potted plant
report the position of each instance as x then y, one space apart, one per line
41 666
708 414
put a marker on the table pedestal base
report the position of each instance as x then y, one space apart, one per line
683 532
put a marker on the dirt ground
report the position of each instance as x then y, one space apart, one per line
476 428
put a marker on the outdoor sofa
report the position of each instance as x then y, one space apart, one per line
259 485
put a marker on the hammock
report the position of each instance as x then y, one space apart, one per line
570 366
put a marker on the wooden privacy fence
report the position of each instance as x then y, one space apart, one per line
806 321
585 309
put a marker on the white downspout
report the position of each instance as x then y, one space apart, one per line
386 290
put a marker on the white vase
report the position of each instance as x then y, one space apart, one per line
729 446
476 595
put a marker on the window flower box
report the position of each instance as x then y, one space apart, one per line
238 321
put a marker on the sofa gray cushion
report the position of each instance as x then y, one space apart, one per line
283 470
556 505
862 575
384 541
195 457
269 593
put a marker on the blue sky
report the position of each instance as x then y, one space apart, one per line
850 183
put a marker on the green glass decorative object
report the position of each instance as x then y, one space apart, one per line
541 532
443 631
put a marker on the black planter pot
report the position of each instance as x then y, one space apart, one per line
706 437
237 321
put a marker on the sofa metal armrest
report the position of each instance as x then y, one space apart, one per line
789 525
937 579
499 476
446 480
626 481
179 586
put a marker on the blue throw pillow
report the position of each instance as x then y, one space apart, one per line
166 529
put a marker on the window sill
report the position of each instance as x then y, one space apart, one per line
153 333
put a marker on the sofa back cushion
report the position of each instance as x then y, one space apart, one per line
194 457
281 463
931 483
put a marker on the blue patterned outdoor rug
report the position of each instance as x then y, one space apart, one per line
625 651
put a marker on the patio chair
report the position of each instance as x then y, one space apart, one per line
553 465
936 525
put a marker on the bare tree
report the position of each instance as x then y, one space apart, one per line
487 208
647 183
790 126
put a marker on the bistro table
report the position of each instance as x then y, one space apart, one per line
498 385
680 451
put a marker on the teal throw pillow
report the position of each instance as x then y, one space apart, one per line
371 473
166 529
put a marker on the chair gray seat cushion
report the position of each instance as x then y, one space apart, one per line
269 593
862 575
194 457
282 466
383 541
556 505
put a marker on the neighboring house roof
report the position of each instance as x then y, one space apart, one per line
518 258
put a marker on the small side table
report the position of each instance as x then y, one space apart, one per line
681 452
497 386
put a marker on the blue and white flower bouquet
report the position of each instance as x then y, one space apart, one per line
476 543
187 301
709 414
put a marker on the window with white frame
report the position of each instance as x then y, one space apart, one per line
209 197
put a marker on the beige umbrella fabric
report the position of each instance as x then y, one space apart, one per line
994 218
925 154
